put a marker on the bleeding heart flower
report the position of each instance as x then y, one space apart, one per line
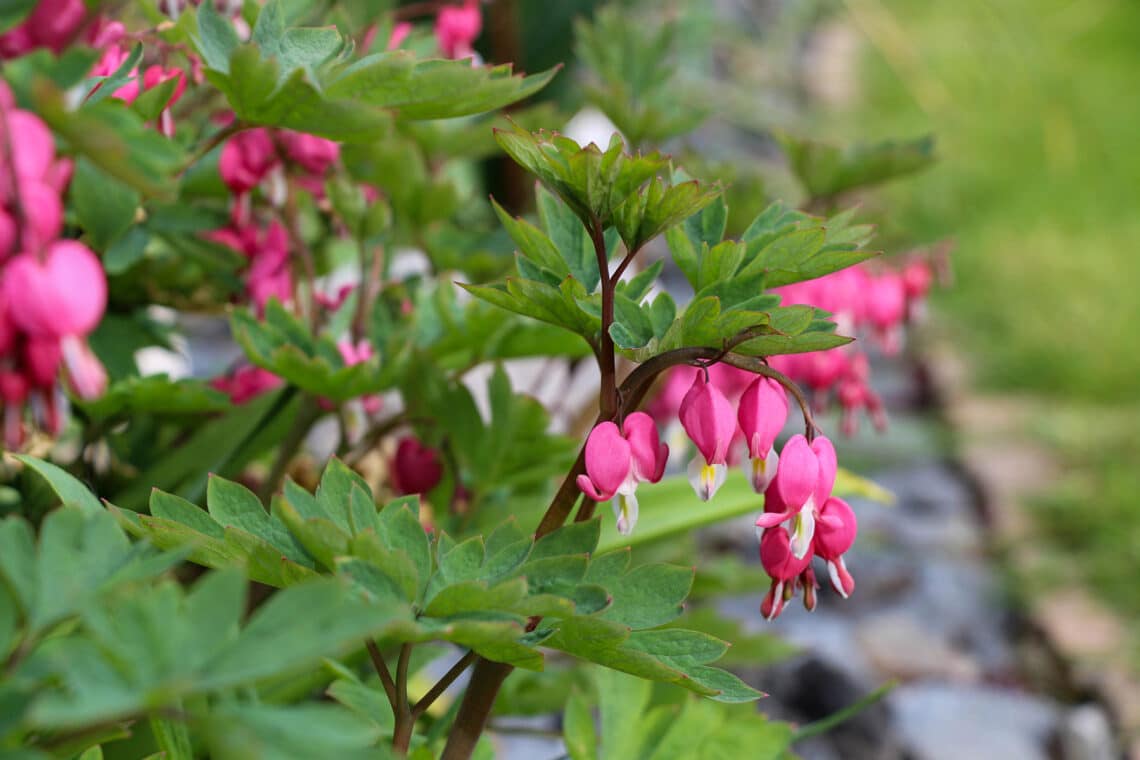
457 28
361 352
803 481
246 160
710 421
835 533
415 468
64 295
246 383
618 459
314 154
783 567
762 412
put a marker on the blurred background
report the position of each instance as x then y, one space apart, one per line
1036 420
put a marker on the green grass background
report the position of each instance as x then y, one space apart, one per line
1036 106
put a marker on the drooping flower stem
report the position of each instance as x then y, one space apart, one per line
607 395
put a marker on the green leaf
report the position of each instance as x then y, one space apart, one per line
574 538
534 244
292 732
591 182
432 89
170 507
155 395
706 227
115 139
69 490
463 562
476 597
217 39
294 629
334 493
173 738
827 170
674 511
649 595
13 12
104 87
578 729
622 701
570 239
367 702
632 327
400 529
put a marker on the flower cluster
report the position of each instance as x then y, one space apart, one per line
52 24
617 459
801 518
53 291
111 40
875 305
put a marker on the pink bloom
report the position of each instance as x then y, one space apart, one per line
415 468
53 24
246 383
762 412
357 354
314 154
247 158
710 421
14 393
618 459
400 33
42 214
269 274
783 567
886 310
31 143
457 28
65 295
835 533
803 482
42 358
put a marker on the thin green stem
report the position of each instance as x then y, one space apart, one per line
382 671
215 140
405 721
427 700
607 395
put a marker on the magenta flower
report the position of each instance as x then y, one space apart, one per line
247 158
399 33
246 383
886 310
14 393
52 24
803 481
361 352
415 468
313 154
457 28
710 421
59 302
762 412
618 459
784 568
835 532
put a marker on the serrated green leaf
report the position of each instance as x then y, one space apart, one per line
66 487
574 538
